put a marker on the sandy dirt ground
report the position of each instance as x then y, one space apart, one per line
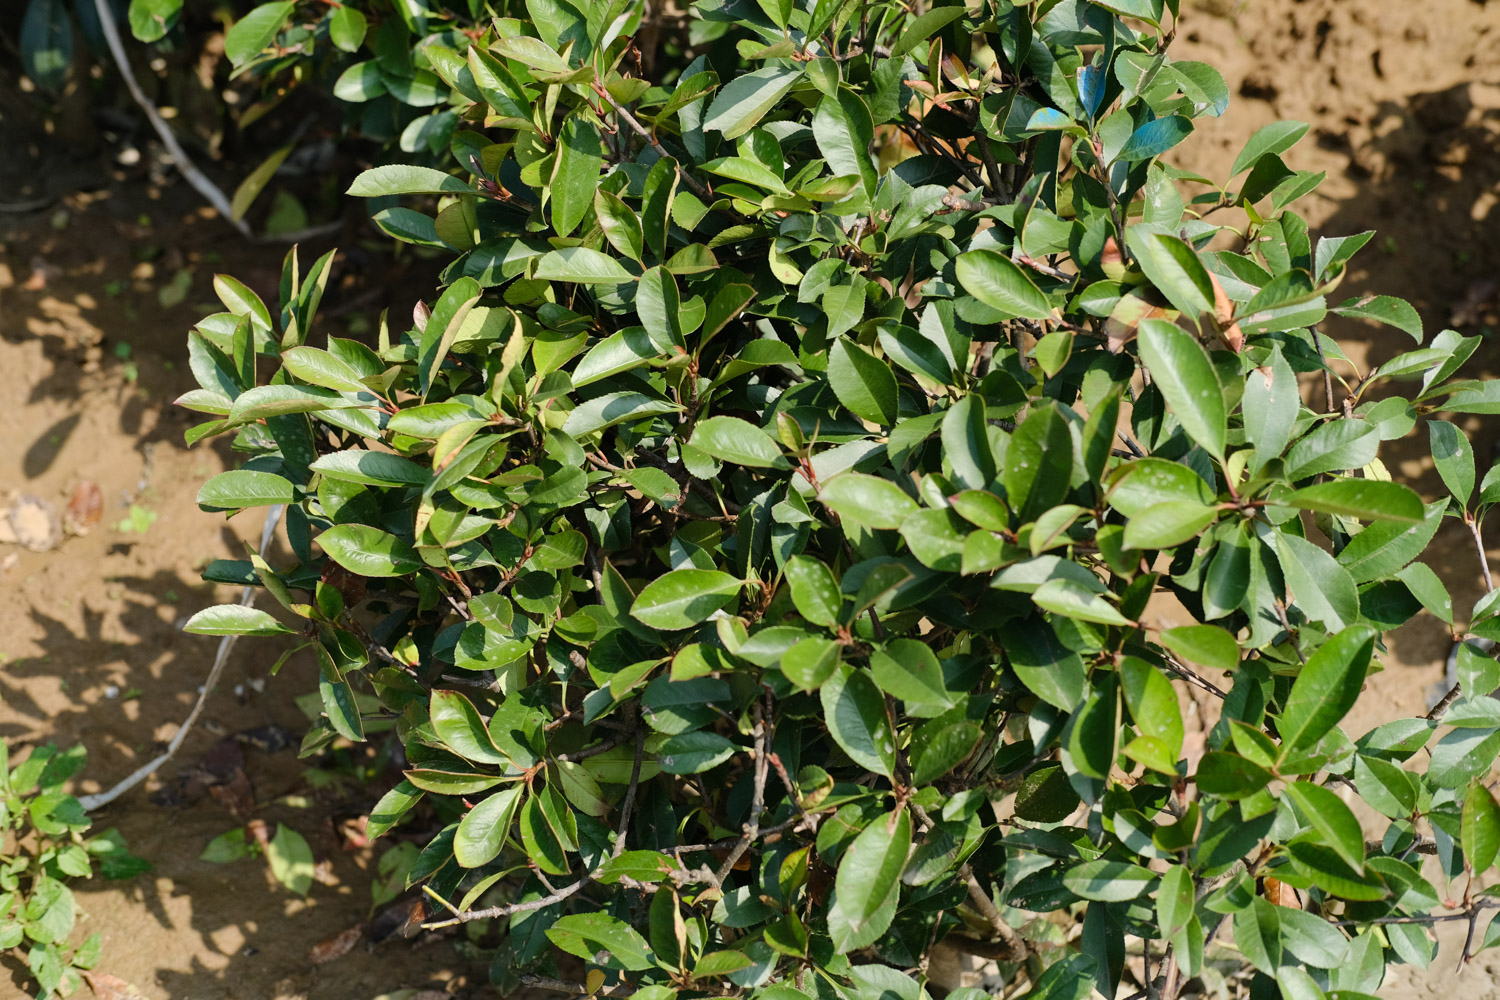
98 290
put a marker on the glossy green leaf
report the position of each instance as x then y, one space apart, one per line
371 468
482 831
691 753
1332 819
234 619
251 34
744 101
1180 368
458 724
1366 499
1207 645
601 940
862 382
1454 458
740 442
999 283
368 551
245 488
855 711
683 598
867 500
1480 828
815 591
1108 881
868 873
1326 688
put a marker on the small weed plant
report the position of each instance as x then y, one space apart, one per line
44 844
758 543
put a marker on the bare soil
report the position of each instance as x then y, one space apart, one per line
98 289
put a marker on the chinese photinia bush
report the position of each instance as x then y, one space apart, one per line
753 542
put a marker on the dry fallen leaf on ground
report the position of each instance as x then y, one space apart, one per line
107 987
85 508
337 946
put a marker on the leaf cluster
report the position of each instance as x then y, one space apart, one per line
753 543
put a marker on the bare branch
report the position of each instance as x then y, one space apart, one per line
185 165
643 132
757 805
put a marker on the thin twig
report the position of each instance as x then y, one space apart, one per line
626 806
140 774
1193 678
1484 559
576 989
1013 942
1327 373
1443 703
643 132
758 797
189 170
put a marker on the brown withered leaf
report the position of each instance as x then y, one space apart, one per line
85 508
352 833
236 795
257 828
403 917
1125 319
337 946
1280 894
107 987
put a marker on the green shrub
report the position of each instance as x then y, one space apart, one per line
751 544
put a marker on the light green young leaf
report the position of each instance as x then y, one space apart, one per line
399 178
291 859
234 619
250 35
